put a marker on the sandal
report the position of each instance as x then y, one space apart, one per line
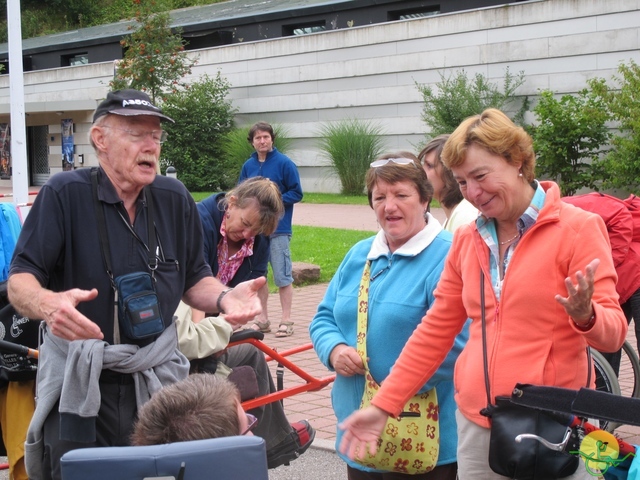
264 327
285 329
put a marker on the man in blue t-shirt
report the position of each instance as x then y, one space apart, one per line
268 162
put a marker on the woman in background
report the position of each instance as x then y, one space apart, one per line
445 188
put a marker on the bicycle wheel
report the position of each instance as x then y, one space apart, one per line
629 376
606 381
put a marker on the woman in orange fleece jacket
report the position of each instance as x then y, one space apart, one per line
550 290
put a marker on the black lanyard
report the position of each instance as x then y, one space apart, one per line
104 237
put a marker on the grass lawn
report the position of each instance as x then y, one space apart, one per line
335 198
325 247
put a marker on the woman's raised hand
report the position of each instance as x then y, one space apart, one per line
578 302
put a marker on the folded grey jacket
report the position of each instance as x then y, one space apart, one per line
152 367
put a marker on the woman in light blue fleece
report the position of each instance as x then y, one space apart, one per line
407 256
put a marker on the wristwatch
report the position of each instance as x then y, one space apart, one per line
219 301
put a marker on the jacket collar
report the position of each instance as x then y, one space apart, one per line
412 247
270 154
552 204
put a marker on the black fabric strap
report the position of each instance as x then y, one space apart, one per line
485 411
151 232
106 257
102 229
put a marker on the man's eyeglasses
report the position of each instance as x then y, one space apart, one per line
252 420
158 136
397 161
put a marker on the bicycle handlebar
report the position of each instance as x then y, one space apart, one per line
19 349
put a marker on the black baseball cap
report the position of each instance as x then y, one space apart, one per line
128 102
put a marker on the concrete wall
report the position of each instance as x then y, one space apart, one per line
370 72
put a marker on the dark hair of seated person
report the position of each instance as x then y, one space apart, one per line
199 407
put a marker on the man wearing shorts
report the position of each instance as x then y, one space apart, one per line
268 162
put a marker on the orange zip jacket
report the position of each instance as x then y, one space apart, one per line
530 337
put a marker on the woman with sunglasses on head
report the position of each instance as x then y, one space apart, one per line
236 227
404 261
458 210
535 276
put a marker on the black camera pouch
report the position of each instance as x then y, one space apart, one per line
139 313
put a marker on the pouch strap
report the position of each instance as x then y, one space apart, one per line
151 232
363 312
151 245
104 248
485 362
102 227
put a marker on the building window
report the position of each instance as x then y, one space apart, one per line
74 59
414 13
303 29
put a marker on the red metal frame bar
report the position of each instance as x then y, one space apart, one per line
312 383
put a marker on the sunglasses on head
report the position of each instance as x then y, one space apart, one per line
397 161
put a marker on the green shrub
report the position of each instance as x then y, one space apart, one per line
457 97
237 149
203 117
351 145
622 163
568 139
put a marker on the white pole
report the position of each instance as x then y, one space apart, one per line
20 173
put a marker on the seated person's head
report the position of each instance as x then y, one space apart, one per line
199 407
253 207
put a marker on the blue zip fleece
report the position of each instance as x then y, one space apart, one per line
400 293
281 170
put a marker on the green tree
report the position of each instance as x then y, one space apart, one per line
351 145
203 117
154 59
622 163
457 97
568 139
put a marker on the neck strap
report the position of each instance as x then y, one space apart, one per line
104 237
363 311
